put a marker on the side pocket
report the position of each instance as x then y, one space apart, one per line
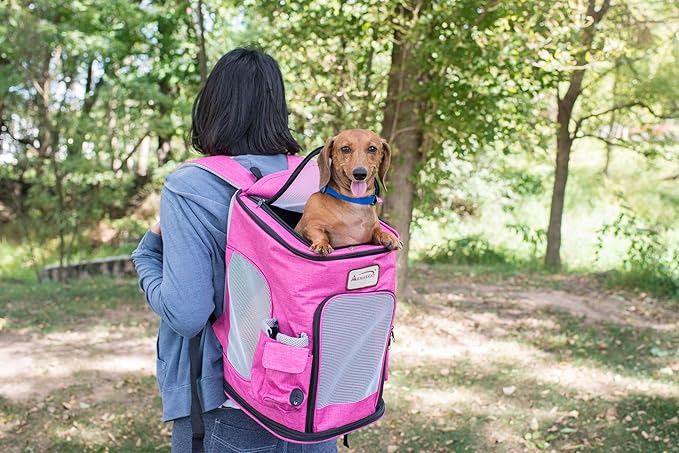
281 374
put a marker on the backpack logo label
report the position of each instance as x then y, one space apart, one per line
363 277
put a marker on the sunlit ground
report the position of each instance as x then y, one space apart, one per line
483 363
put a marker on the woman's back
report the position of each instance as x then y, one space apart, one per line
194 209
240 111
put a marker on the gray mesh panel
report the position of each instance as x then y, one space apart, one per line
249 303
297 194
354 332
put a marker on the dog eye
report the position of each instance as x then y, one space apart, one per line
345 149
372 149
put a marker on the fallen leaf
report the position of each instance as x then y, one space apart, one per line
392 448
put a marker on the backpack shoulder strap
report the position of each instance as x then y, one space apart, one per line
227 169
294 161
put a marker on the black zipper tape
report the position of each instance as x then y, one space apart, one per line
308 256
261 204
311 400
303 436
294 175
278 219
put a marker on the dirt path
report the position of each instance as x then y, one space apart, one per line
579 296
38 364
478 361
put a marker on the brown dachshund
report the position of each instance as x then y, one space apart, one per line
344 212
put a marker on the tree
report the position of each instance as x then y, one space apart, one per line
589 53
436 78
85 87
564 140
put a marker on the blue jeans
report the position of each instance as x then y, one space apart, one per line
231 431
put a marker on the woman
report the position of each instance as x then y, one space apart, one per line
240 112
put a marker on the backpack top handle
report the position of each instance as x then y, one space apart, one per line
293 176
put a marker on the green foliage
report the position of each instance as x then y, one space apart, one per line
536 239
468 251
649 262
89 87
96 100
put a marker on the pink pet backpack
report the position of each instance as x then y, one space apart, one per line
305 338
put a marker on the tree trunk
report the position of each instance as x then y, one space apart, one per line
202 54
563 152
564 139
402 130
164 150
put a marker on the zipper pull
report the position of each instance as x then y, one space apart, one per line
260 202
391 337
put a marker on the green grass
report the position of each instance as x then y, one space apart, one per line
18 264
69 421
477 255
52 306
655 281
496 394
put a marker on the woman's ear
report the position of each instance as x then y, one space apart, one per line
384 163
324 162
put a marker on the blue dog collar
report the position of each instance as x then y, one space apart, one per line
369 200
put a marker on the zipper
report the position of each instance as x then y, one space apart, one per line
261 204
281 241
311 400
294 175
300 436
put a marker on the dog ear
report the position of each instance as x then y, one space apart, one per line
384 163
324 162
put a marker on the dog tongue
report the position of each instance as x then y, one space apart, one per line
359 188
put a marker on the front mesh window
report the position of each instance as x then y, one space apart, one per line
354 331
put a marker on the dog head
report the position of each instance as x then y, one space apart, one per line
352 159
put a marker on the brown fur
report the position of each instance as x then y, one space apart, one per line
328 222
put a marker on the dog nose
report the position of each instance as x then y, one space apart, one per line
360 173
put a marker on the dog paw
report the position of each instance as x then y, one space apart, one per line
389 241
321 248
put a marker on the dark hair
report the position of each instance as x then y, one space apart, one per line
241 109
